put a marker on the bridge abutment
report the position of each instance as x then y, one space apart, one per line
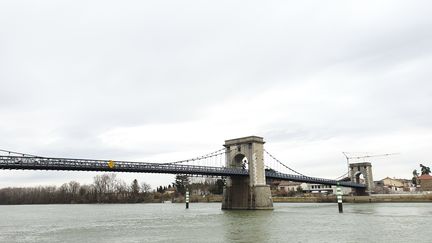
246 192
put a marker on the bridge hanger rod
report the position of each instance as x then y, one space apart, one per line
342 176
46 163
209 155
213 154
13 152
284 164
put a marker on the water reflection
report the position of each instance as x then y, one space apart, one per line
363 209
247 225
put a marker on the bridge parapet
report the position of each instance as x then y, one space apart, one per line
308 179
42 163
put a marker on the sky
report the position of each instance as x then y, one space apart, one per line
169 80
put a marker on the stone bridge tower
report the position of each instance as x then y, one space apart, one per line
359 169
243 192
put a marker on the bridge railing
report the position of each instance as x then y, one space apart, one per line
42 163
308 179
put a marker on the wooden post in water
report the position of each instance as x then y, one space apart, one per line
339 198
187 199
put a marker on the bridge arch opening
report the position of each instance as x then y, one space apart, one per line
359 178
361 173
241 161
246 191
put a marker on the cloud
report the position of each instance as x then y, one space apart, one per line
161 81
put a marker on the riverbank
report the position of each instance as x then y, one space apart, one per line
375 198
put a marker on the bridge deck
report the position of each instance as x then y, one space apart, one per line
43 163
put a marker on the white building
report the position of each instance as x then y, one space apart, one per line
325 189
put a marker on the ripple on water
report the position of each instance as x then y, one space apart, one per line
289 222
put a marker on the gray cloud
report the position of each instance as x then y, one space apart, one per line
169 78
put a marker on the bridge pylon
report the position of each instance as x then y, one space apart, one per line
246 192
362 169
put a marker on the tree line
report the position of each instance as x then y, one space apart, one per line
106 188
425 170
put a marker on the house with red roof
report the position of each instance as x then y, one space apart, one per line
425 182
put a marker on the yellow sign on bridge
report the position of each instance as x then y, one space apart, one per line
111 164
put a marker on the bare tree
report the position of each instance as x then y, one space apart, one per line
106 188
145 188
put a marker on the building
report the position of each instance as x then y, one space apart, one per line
170 190
288 186
324 189
317 188
425 182
393 184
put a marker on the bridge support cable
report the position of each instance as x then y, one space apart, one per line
203 165
199 158
296 172
8 152
214 159
67 164
283 165
346 174
22 161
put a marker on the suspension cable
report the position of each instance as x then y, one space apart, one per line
289 168
209 155
342 176
17 153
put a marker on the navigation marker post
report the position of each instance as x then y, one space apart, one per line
187 199
339 198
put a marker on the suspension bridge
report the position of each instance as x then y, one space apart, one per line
243 161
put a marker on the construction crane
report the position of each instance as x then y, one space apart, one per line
348 158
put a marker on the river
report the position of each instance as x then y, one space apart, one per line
206 222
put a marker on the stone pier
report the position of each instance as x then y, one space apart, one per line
246 192
358 170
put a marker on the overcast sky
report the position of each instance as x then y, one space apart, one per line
163 80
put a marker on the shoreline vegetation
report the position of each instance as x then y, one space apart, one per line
107 188
409 198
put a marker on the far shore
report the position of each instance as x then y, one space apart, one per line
374 198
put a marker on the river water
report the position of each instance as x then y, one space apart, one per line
206 222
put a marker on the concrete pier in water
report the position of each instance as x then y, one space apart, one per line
246 192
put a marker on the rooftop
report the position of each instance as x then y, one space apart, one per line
289 183
425 177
